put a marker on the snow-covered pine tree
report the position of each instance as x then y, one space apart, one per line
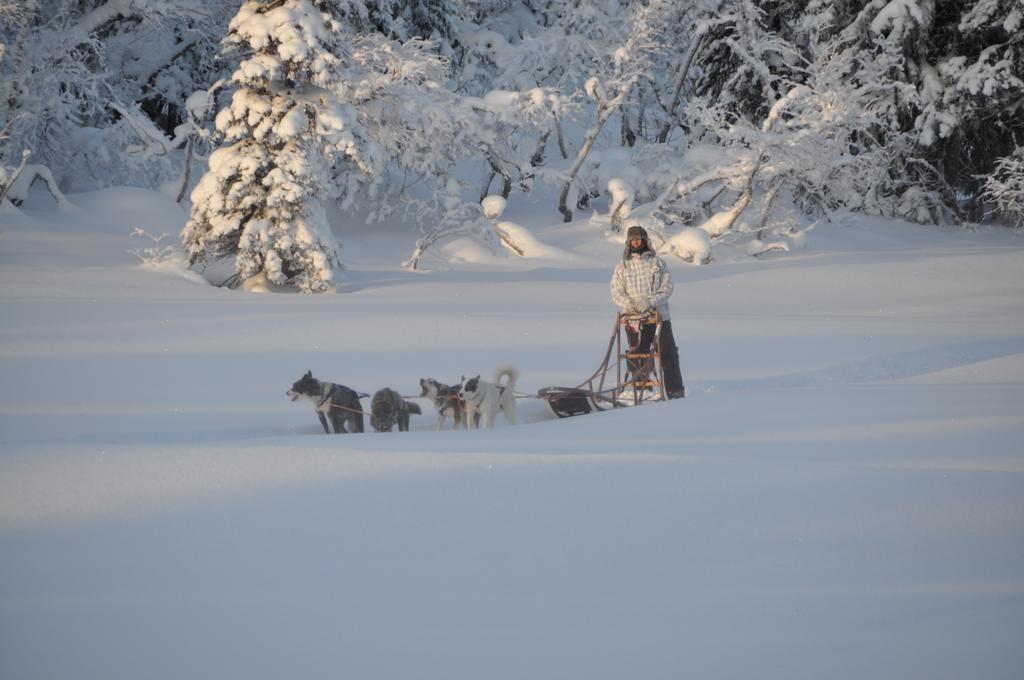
262 199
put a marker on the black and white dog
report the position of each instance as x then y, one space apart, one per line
446 401
333 403
484 399
387 409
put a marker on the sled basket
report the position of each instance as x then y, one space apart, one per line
568 401
592 395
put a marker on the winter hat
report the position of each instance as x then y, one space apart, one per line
636 231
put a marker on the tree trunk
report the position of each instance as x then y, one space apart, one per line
17 57
684 70
618 215
187 178
706 205
742 202
588 143
506 180
769 200
507 240
486 191
628 136
560 137
542 144
604 112
641 115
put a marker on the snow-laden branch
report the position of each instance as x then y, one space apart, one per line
154 141
110 11
1004 189
7 180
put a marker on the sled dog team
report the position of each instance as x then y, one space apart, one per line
471 404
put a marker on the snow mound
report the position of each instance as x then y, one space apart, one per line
531 245
691 244
493 207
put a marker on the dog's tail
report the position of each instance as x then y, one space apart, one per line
510 372
413 407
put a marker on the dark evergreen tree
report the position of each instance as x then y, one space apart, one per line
961 84
744 64
407 19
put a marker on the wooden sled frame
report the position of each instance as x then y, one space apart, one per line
630 387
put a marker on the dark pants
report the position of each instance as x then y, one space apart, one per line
669 354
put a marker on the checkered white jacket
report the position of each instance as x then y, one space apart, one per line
642 281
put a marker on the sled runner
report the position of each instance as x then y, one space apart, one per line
635 376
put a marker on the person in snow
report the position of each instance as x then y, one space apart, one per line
642 283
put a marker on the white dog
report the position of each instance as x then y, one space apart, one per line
484 399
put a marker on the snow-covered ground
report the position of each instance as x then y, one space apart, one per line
841 495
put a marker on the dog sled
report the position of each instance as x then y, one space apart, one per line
630 373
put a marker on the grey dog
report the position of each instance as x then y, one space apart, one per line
446 401
387 409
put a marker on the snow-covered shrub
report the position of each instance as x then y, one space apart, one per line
497 126
919 204
1004 189
262 198
482 54
70 65
9 176
458 218
511 129
691 244
412 132
398 97
493 207
157 254
16 182
818 146
622 193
